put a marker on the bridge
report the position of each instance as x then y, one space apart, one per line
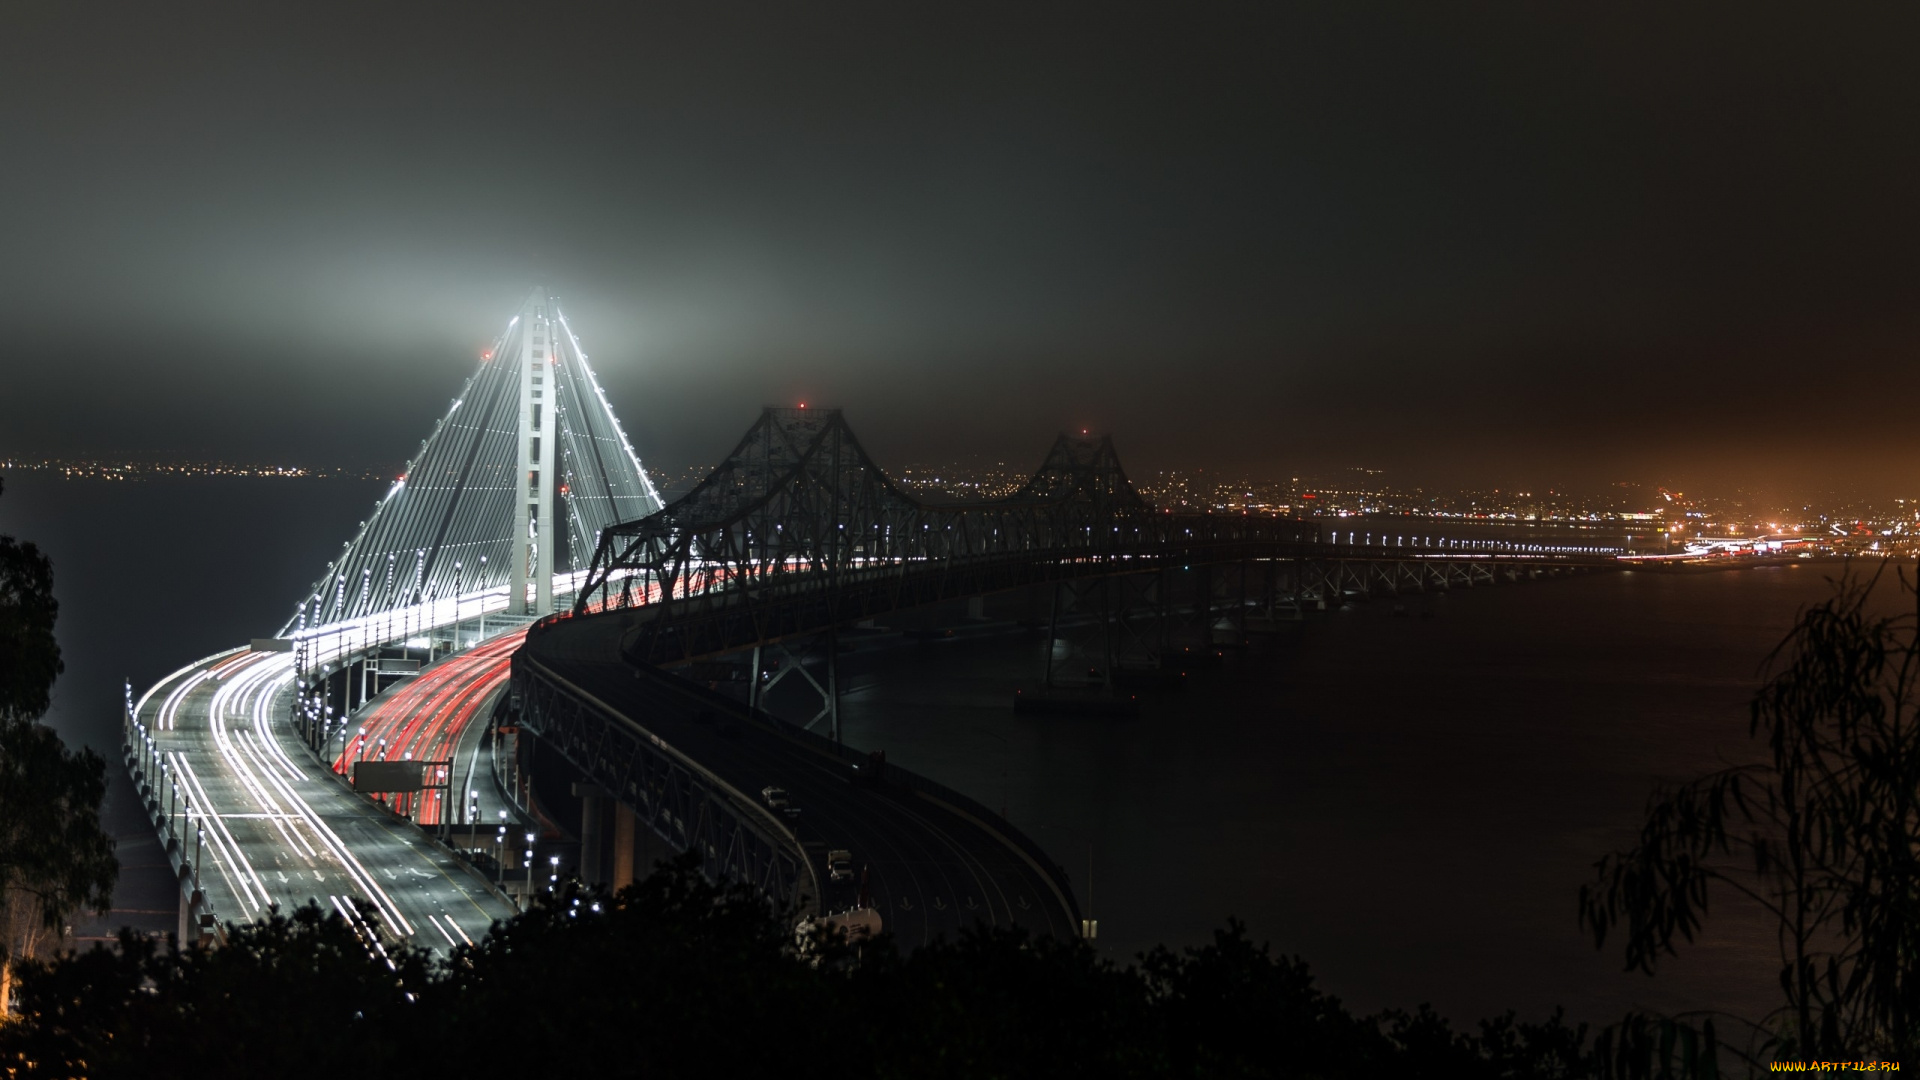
525 540
798 533
244 757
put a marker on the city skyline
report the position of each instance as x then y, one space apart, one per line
1353 491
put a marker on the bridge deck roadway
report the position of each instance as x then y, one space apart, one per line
278 830
930 867
430 717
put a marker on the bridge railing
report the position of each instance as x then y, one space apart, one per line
676 797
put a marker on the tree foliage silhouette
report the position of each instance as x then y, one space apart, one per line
677 977
55 857
296 995
29 655
1825 835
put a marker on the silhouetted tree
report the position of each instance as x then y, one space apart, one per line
1825 835
54 855
998 1002
671 976
300 995
29 655
675 977
1233 1009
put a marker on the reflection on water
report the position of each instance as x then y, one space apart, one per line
1409 803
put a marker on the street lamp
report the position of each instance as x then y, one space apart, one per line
528 859
173 795
553 878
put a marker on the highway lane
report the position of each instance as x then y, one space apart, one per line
275 830
427 717
928 868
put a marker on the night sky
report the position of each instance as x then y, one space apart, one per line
1521 243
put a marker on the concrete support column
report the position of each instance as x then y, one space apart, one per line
594 812
624 824
591 839
193 905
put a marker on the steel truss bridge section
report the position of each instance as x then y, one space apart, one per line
1362 573
683 802
798 531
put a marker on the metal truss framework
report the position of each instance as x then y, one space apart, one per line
1282 587
1333 578
798 531
683 804
1097 627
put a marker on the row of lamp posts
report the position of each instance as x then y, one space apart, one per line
152 770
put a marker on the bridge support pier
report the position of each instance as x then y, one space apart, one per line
623 845
760 683
680 802
1107 631
595 819
1071 638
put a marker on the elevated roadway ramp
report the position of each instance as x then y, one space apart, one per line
928 860
272 828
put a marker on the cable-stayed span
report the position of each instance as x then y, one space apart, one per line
513 486
496 515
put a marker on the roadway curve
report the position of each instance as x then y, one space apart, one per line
278 831
425 718
931 867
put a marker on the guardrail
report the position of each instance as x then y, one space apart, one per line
154 781
593 756
683 802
